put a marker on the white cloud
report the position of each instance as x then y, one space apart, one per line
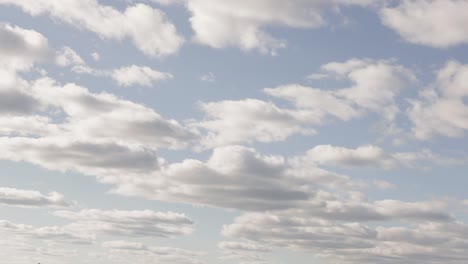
435 23
139 75
128 75
440 108
95 56
144 223
148 28
373 156
67 56
375 87
243 246
141 253
30 198
21 48
354 242
248 181
248 120
242 23
48 233
208 77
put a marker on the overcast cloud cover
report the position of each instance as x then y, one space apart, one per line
243 132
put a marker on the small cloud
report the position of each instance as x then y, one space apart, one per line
95 56
317 76
208 77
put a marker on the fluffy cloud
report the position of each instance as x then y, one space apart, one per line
144 76
21 47
441 109
126 76
148 28
92 116
375 87
67 56
241 23
230 122
30 198
436 23
249 181
144 223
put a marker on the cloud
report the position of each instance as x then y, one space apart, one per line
103 116
250 181
208 77
242 246
440 108
144 76
144 223
21 47
435 23
148 28
123 250
373 156
30 198
48 233
96 158
95 56
231 122
354 242
128 75
375 87
67 56
242 23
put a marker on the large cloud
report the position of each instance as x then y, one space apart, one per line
148 28
436 23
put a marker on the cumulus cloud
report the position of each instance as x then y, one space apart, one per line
440 108
30 198
67 56
21 48
148 28
250 181
126 76
242 23
145 223
375 87
231 122
435 23
140 75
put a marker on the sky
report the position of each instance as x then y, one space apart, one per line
233 132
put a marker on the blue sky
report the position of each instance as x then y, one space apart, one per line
250 132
